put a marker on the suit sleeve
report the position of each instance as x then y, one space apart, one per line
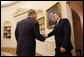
36 32
16 33
51 33
67 34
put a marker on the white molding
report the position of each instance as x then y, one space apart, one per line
9 4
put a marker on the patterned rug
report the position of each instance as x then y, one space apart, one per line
11 52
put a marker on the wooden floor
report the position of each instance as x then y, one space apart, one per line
11 52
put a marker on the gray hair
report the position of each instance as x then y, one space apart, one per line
31 11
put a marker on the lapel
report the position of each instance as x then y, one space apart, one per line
58 24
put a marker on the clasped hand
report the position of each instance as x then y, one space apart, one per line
45 36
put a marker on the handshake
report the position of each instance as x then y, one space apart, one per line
45 36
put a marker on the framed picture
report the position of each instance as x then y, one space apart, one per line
55 8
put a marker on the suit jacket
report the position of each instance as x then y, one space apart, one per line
26 32
62 33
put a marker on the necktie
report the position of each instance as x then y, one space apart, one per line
56 23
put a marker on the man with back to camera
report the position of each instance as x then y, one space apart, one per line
26 32
62 33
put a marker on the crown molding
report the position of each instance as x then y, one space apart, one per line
10 4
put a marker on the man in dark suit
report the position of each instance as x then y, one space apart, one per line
26 32
62 33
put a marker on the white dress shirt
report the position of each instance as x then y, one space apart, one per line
58 20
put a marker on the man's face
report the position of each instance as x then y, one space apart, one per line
34 15
55 17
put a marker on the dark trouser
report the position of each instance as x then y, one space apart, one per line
58 53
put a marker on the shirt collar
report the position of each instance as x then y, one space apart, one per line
58 20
